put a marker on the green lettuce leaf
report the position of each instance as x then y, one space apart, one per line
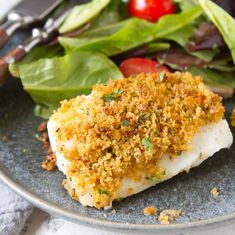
109 15
49 81
113 39
126 35
82 14
186 4
169 24
215 77
223 21
182 35
36 53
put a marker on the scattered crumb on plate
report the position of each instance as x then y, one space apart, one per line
215 192
5 139
50 160
167 216
49 163
113 211
42 127
150 210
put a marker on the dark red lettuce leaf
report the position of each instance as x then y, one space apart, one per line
206 37
178 59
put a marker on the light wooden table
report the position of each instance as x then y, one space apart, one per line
40 223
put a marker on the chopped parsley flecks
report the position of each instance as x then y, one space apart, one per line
101 191
112 96
146 142
25 151
125 123
37 136
155 178
162 75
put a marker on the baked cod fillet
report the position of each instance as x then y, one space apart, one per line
134 133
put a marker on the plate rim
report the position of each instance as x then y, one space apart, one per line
104 224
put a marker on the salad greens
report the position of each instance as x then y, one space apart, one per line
223 21
118 38
42 52
199 38
114 39
169 24
49 81
82 14
112 14
184 5
213 77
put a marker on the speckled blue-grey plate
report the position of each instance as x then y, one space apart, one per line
22 154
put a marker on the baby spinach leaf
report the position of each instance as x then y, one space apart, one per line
49 81
172 23
109 15
126 35
185 5
82 14
215 77
113 39
35 54
223 21
182 36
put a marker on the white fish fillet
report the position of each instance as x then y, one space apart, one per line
209 140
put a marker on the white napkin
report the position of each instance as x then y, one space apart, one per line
14 211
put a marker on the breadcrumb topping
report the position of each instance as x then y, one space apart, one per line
215 192
150 210
123 129
167 216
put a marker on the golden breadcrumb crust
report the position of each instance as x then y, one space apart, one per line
123 128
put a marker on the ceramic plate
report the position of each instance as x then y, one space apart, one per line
21 156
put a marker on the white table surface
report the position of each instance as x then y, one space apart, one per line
41 223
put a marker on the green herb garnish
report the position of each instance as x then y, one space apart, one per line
146 142
101 191
119 199
24 150
37 136
162 75
112 96
155 178
125 123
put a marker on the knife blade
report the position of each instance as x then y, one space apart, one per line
26 13
44 34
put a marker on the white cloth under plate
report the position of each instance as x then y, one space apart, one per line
14 211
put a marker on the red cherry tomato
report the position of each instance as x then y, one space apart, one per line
151 10
134 66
